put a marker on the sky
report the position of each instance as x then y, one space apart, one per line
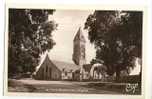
69 22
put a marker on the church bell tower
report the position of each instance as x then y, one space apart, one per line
79 56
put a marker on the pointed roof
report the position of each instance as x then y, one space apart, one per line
59 64
79 35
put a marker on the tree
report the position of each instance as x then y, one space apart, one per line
117 36
30 34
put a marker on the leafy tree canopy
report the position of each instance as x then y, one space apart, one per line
117 36
30 34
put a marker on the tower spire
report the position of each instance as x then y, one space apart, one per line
79 35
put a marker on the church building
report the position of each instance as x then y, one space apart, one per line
55 70
58 70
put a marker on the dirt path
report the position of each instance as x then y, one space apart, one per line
38 86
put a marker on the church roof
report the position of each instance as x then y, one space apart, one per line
59 64
79 35
65 65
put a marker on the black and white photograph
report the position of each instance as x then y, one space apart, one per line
75 51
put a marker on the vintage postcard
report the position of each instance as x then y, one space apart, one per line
93 50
